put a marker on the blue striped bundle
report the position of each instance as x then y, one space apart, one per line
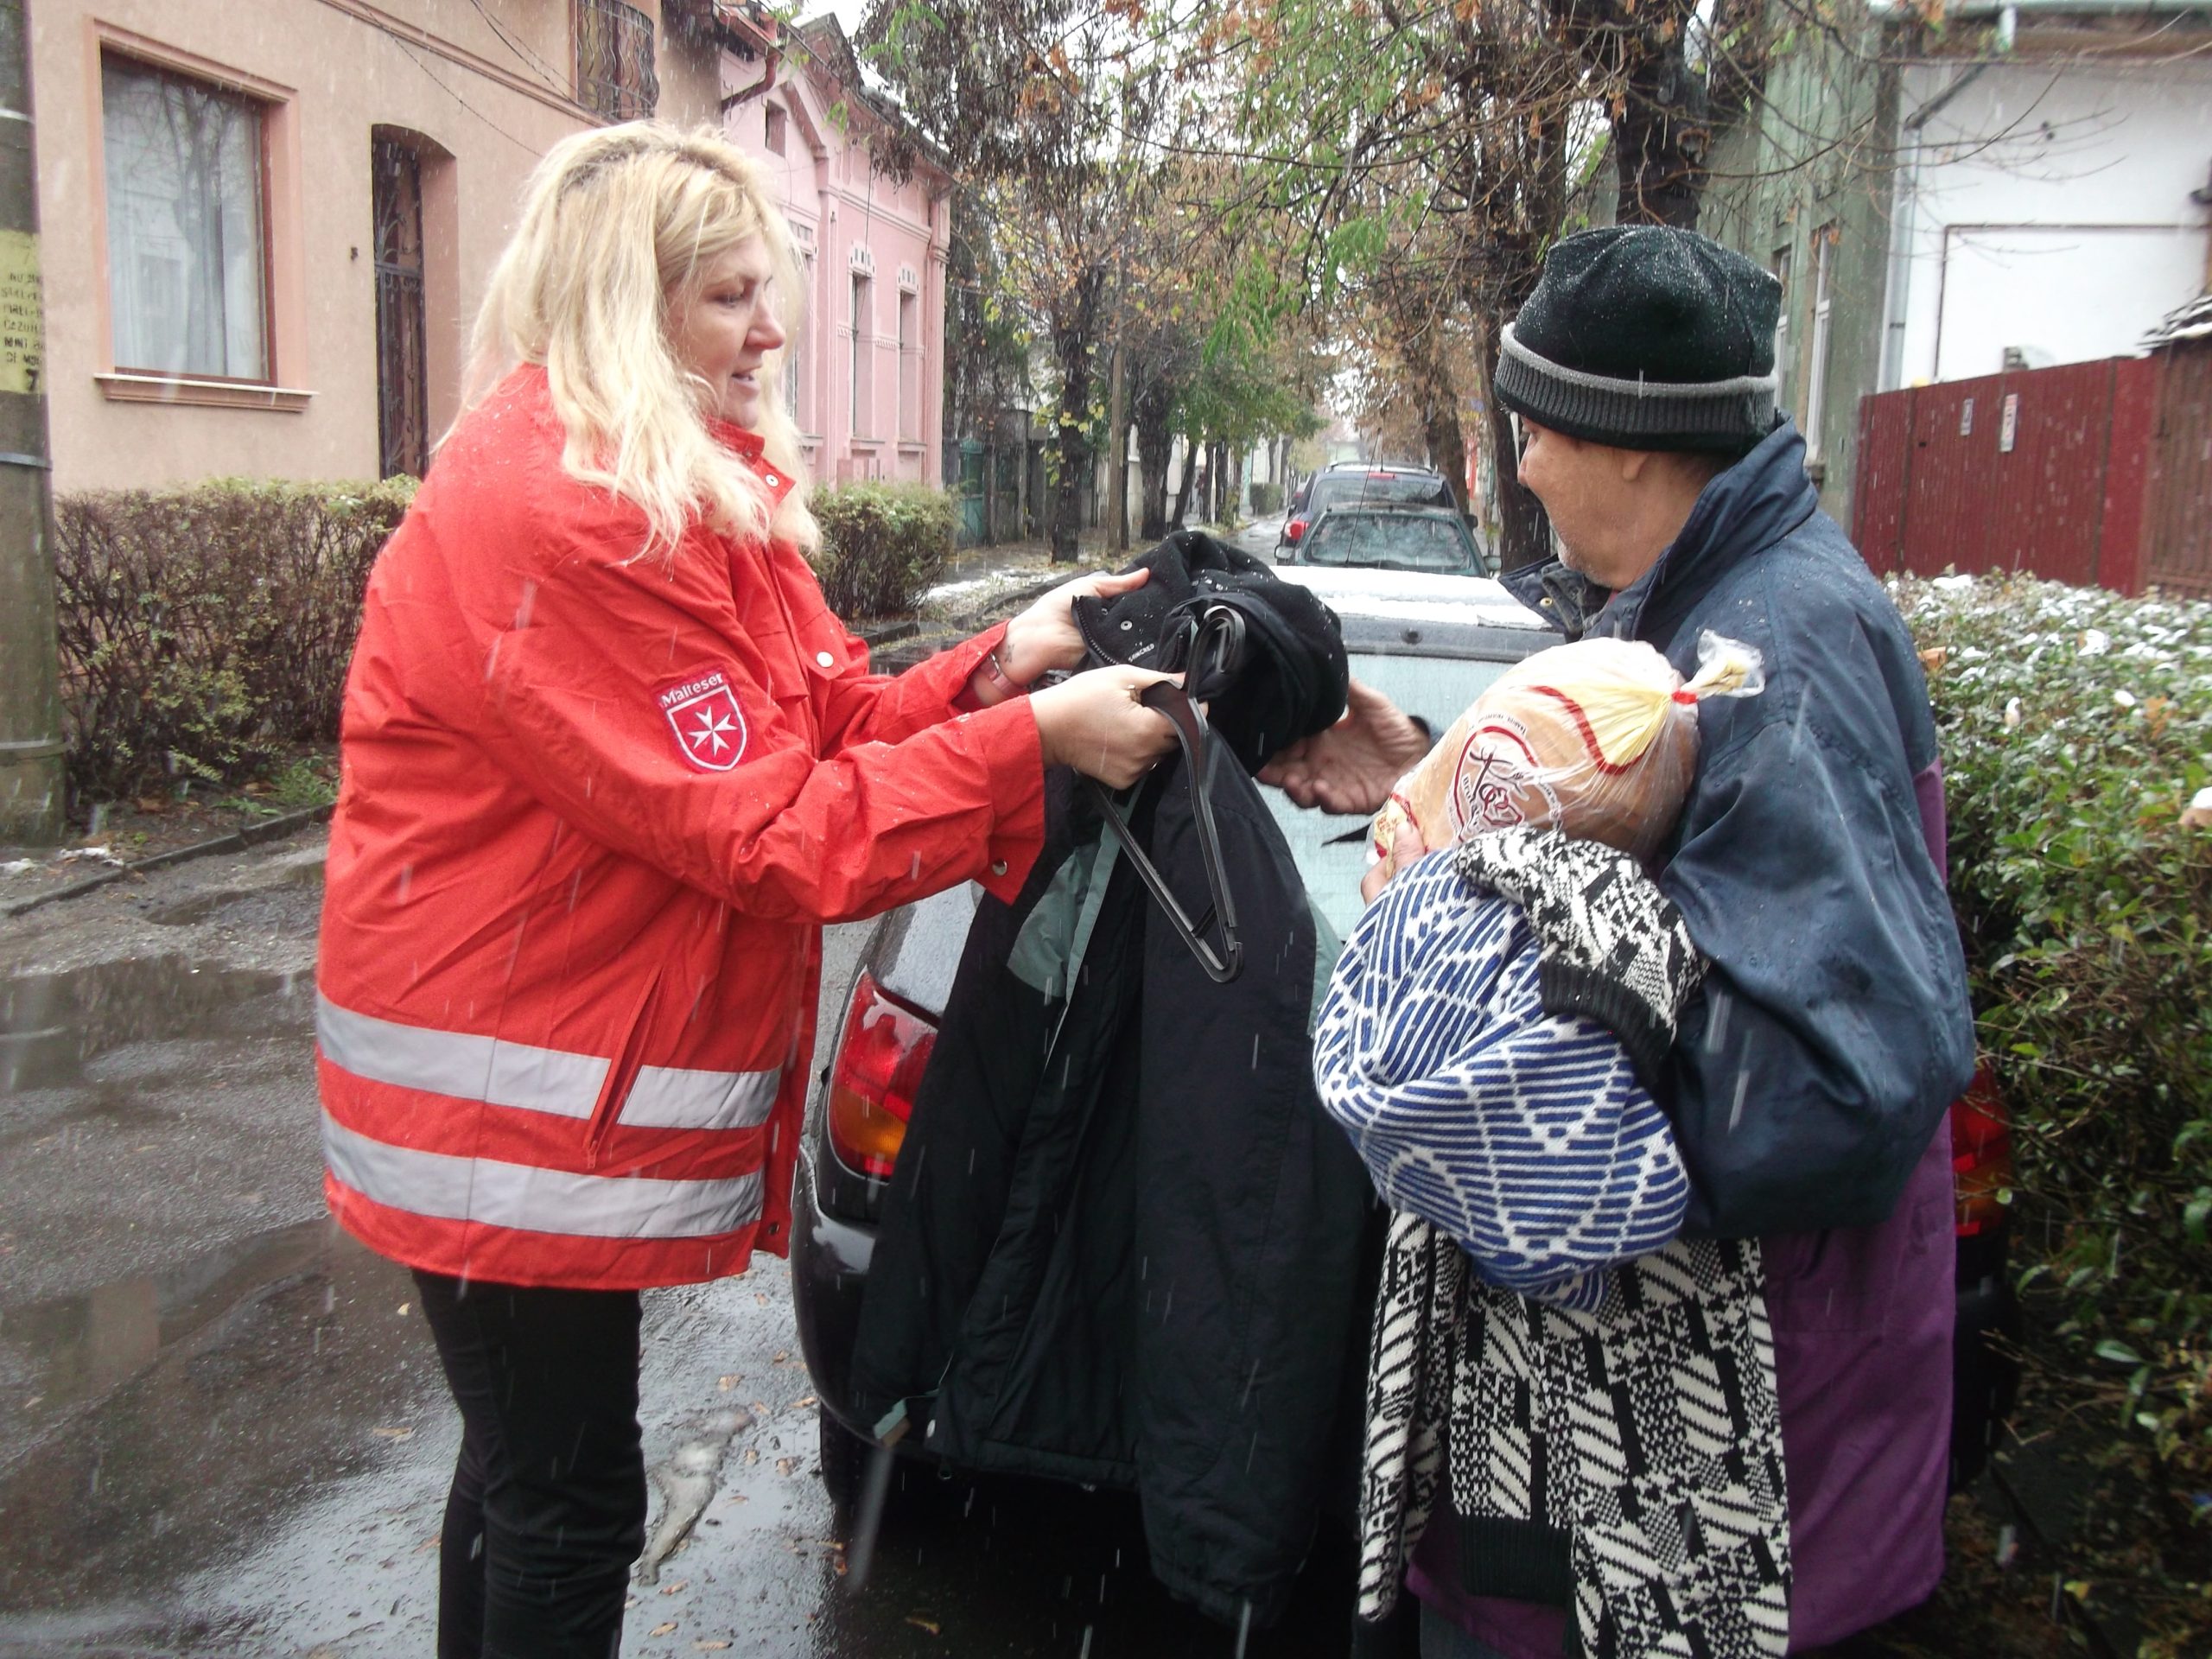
1524 1136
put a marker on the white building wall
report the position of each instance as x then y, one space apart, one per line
2046 207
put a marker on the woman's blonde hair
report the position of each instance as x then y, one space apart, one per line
615 222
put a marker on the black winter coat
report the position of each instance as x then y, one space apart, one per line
1122 1242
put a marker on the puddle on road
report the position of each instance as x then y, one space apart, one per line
51 1024
171 1418
81 1347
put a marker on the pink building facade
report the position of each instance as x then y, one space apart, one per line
265 227
865 373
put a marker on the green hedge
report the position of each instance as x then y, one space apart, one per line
1266 500
881 545
2077 730
205 631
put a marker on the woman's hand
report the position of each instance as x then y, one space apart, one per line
1094 722
1405 847
1353 766
1044 637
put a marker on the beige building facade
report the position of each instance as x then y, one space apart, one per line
264 224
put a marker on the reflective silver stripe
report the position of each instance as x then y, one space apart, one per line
454 1062
537 1200
665 1098
553 1080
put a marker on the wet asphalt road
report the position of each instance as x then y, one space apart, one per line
222 1430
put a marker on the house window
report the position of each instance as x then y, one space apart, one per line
910 368
187 224
794 382
863 424
614 60
395 206
1817 370
1781 269
777 121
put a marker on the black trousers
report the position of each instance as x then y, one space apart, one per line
547 1506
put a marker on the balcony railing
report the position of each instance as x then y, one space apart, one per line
614 60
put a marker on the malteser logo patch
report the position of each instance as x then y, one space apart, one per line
702 712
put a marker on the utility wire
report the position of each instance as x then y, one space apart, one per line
529 59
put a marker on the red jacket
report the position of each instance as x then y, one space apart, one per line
596 807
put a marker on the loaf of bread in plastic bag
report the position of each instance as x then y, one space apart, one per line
1598 738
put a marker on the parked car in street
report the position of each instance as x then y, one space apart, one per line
1356 483
1433 540
1432 643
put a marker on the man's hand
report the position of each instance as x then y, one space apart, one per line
1045 637
1352 767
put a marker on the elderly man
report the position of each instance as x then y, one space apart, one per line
1809 1075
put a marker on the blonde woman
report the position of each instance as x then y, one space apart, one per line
609 764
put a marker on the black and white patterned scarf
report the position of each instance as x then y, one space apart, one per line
1649 1431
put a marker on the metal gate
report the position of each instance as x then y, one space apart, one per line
2090 472
403 403
2179 494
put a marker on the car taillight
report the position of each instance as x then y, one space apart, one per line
1981 1154
880 1065
1294 530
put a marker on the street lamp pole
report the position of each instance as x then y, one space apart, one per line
30 699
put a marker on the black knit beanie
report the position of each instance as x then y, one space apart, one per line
1645 337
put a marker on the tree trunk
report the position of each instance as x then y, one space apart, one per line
1117 450
1183 483
1155 443
1154 446
1660 139
1074 334
1447 445
1524 535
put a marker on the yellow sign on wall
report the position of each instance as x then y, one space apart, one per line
22 326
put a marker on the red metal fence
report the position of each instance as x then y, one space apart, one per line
2091 473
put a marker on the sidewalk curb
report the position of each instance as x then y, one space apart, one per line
1006 604
238 841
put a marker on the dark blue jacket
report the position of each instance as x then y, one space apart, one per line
1834 1028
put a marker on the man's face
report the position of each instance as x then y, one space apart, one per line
1592 500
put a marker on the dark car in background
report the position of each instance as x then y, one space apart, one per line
1431 643
1434 541
1351 484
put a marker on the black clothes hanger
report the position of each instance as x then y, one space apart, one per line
1208 648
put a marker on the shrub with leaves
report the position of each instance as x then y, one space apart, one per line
1267 501
881 545
2077 739
205 631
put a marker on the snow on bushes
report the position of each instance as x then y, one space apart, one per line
2076 729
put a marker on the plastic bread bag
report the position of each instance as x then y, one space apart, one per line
1598 738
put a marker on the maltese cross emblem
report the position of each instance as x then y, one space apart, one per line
703 713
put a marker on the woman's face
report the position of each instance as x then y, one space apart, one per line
722 326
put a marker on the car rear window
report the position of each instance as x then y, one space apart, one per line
1341 489
1393 541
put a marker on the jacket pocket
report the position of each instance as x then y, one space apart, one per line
621 1072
